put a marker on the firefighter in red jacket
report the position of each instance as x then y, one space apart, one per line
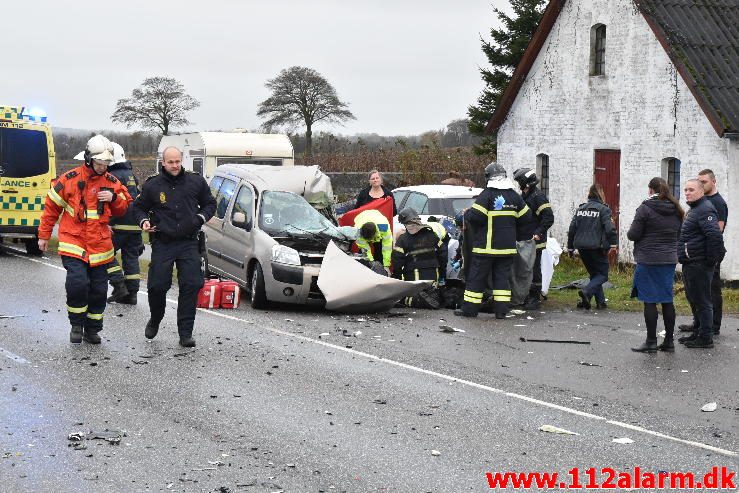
85 197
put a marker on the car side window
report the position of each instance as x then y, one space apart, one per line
224 197
416 201
398 197
215 184
244 203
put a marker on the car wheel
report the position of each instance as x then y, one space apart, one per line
258 296
32 248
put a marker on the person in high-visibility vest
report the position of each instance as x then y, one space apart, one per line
374 234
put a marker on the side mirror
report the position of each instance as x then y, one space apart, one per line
239 220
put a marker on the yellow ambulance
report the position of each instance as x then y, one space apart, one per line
27 168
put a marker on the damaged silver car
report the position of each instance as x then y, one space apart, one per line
265 234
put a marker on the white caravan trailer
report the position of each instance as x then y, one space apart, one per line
203 152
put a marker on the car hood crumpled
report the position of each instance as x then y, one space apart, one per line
350 287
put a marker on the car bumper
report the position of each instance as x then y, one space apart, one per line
297 284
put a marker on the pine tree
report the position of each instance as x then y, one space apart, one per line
504 53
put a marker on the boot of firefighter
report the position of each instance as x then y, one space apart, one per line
532 302
120 292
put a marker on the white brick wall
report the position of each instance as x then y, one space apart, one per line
641 106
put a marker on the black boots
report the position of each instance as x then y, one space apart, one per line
699 343
532 302
75 335
650 346
187 341
91 337
461 313
686 327
151 330
668 345
584 300
129 299
120 291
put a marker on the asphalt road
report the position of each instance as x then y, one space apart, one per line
303 401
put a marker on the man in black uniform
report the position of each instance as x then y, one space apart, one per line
542 218
495 218
420 254
173 205
126 236
708 179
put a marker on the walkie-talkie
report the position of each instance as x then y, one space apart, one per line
101 204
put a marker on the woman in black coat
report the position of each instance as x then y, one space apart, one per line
654 232
375 190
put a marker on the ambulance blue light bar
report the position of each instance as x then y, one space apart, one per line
34 114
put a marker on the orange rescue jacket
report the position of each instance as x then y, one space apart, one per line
83 232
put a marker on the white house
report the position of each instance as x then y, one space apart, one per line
619 91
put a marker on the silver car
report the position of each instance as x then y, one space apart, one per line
267 237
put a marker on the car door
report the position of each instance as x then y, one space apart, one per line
238 241
214 233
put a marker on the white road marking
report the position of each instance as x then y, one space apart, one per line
450 378
13 356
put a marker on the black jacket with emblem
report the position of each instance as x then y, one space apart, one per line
700 237
124 172
654 232
495 219
420 256
542 216
592 227
176 205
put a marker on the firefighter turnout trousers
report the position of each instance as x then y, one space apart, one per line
87 288
185 255
131 246
478 279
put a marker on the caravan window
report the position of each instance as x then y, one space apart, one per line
197 165
247 160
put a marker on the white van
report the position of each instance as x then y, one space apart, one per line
203 152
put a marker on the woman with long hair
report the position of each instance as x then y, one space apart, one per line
375 190
593 234
654 232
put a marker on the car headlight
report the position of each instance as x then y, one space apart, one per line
285 255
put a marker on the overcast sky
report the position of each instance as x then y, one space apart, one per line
404 66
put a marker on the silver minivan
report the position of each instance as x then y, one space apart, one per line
266 236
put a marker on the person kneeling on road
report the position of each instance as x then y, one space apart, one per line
375 239
420 254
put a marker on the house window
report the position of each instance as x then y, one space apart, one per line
598 50
671 173
542 171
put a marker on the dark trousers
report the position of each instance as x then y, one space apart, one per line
596 263
478 279
697 281
131 246
717 301
86 289
535 289
184 254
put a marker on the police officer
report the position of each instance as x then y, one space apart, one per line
494 220
126 237
173 205
542 218
85 198
593 233
420 254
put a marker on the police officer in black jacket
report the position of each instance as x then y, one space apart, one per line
173 205
126 236
700 247
593 233
542 218
495 218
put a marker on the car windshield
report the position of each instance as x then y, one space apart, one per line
289 214
461 204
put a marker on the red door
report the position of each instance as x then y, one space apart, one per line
608 174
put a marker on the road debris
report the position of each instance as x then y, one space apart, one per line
586 363
558 431
435 453
555 341
449 329
12 316
111 436
710 407
624 440
516 311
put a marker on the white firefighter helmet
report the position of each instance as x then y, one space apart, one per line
100 148
118 155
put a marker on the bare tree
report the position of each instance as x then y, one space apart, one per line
302 95
160 103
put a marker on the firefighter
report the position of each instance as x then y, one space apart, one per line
126 237
86 198
420 254
374 234
494 219
542 218
172 207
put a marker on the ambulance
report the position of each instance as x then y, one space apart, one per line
27 168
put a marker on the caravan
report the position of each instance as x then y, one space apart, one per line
203 152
